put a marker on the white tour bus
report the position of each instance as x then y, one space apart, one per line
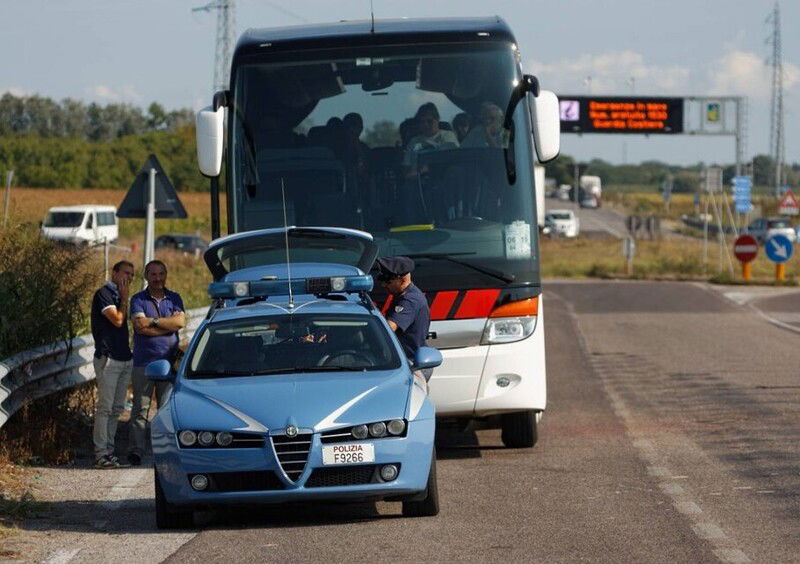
361 125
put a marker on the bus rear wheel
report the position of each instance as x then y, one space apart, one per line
520 429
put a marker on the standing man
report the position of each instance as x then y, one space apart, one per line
157 315
409 315
112 360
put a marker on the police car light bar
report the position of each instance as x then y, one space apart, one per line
316 286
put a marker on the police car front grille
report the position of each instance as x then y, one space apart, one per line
292 453
341 476
244 481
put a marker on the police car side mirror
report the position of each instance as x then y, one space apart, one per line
426 357
159 371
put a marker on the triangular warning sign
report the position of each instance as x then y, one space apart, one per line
788 204
167 203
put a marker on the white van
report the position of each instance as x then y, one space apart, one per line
81 225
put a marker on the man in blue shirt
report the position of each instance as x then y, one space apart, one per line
157 315
112 360
409 315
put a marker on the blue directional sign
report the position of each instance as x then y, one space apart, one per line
742 188
779 248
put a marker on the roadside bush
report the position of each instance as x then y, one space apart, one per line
44 289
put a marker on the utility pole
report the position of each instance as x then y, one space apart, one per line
776 132
226 28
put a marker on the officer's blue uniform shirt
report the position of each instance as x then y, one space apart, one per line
410 312
109 340
147 349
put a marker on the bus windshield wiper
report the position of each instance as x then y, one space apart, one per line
499 274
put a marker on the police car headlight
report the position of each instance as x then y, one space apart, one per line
508 329
360 432
377 429
396 427
338 284
224 439
187 438
241 289
205 438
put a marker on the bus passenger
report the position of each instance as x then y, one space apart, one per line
462 123
431 138
490 132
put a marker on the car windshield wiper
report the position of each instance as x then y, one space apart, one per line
499 274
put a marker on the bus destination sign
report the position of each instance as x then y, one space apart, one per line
620 114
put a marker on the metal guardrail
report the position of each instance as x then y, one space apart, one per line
40 372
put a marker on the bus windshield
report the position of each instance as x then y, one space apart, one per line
405 142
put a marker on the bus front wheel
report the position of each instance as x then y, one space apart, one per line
520 429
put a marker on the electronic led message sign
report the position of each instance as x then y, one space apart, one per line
620 114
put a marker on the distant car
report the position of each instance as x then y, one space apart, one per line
562 223
589 202
85 225
765 227
191 244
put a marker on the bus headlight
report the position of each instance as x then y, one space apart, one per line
508 329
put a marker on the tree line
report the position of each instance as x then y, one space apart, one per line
70 144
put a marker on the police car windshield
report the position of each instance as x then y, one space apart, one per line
292 344
404 142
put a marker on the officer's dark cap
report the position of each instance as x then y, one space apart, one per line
393 267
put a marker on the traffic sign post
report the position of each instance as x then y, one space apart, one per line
779 249
745 248
628 251
151 196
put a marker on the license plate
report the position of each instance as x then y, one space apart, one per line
348 453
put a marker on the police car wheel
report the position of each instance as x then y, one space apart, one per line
429 505
519 430
167 517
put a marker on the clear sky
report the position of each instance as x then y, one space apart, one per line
138 51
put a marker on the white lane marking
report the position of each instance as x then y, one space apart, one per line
709 531
62 556
671 489
121 491
732 555
701 526
688 507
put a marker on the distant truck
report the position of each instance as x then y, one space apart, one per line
86 225
591 187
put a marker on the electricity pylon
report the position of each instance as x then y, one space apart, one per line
777 147
226 28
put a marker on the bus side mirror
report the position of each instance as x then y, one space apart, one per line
546 125
210 137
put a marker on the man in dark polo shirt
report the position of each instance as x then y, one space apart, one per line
409 315
157 315
112 360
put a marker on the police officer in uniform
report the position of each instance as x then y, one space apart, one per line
409 315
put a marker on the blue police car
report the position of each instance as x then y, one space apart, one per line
293 388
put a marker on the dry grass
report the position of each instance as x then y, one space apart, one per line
656 260
28 206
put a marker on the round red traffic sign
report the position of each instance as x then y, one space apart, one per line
745 248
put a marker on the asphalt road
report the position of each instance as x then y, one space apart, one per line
672 434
